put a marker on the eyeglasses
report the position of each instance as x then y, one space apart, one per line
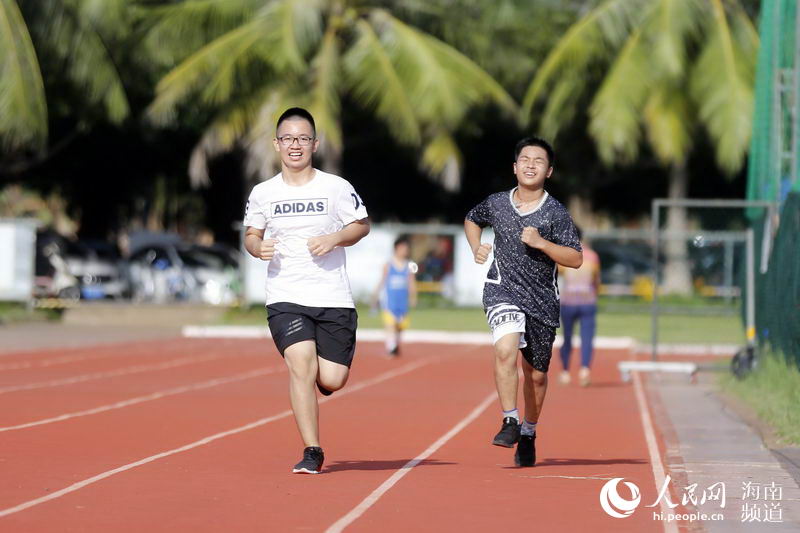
288 140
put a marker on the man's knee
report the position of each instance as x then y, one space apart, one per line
537 378
505 355
332 376
301 361
333 383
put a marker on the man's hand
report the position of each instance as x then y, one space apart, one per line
321 245
267 249
531 237
482 253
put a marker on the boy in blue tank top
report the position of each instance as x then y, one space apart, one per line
396 291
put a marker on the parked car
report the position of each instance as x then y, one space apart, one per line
621 264
99 268
164 272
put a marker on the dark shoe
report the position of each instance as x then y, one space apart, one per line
312 461
323 390
509 433
526 451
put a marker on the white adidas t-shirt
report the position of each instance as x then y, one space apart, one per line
292 215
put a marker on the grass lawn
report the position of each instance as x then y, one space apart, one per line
17 312
773 392
672 328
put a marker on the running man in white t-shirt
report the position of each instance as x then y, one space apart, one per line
299 221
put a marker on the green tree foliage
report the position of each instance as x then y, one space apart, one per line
70 39
248 60
666 69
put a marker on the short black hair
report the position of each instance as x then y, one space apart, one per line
402 239
536 141
297 112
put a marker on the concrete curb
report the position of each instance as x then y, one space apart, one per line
470 337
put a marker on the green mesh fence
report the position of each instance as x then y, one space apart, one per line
778 289
774 163
773 175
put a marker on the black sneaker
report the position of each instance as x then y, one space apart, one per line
509 433
312 461
323 390
526 451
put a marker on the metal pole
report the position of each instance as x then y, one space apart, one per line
656 210
728 275
657 204
794 108
751 289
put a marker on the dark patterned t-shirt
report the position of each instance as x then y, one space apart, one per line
519 274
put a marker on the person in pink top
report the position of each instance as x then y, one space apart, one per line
578 293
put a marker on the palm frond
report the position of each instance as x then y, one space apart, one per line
560 107
81 37
595 37
212 68
325 83
722 88
668 124
300 27
615 113
483 86
376 83
232 124
177 30
670 25
443 83
442 159
23 108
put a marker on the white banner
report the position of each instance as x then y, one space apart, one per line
17 259
442 253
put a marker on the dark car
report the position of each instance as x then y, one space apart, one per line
621 264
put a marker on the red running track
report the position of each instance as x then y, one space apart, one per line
195 435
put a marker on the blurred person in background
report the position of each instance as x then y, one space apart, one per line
578 289
396 291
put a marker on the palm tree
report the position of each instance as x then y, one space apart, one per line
247 60
74 38
666 69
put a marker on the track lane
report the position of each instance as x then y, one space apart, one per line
587 436
246 477
241 482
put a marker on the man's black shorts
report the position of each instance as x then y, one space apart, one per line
333 329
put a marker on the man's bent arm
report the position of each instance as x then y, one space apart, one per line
473 233
563 255
352 233
252 241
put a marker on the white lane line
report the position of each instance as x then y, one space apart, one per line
652 448
370 500
108 352
109 374
481 338
64 359
150 397
241 429
570 477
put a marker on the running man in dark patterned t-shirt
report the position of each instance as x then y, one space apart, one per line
533 235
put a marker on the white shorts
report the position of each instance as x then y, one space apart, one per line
504 319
